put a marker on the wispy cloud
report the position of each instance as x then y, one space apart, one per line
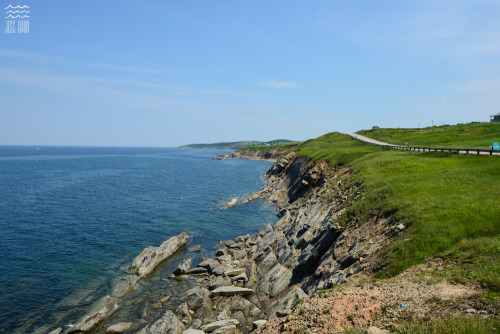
126 92
6 53
278 84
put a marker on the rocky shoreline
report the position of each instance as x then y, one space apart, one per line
259 277
142 266
252 283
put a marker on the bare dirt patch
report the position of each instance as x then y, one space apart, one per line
361 302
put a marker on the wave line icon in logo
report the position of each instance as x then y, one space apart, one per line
16 7
18 12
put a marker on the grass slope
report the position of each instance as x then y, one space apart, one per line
450 203
472 135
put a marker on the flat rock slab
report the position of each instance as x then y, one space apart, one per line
195 248
91 321
126 284
151 257
197 271
231 203
234 272
218 324
258 323
230 291
193 331
56 331
120 327
231 329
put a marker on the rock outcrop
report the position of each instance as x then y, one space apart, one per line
313 246
231 203
151 257
167 324
92 320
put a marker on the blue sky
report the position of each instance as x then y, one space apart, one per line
167 73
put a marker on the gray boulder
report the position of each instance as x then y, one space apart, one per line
197 271
183 267
218 281
258 323
167 324
209 264
231 329
218 324
196 297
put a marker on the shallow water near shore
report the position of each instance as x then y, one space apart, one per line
73 216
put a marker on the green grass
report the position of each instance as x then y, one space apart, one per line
476 259
336 148
443 325
472 135
450 203
451 325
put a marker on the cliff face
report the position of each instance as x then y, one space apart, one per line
312 242
310 248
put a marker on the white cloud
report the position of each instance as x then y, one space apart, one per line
6 53
279 84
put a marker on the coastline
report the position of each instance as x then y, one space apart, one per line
175 288
254 282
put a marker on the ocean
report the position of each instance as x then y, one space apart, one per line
72 217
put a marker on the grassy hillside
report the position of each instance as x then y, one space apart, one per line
238 144
472 135
450 203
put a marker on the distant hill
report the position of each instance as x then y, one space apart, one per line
238 144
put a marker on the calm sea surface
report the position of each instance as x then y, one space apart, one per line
70 217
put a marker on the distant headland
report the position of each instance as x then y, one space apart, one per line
238 144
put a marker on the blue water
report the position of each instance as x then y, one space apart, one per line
69 216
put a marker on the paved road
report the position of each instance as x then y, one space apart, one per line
369 140
423 149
